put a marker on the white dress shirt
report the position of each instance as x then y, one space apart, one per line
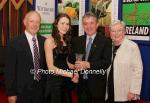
29 38
87 38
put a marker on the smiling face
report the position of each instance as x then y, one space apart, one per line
90 25
32 23
117 33
63 25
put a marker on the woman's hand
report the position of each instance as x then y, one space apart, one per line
12 99
75 78
132 96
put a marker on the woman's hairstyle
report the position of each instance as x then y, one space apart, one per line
55 31
117 22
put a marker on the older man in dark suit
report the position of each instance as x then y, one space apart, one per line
25 53
97 51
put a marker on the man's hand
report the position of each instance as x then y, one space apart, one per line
12 99
80 65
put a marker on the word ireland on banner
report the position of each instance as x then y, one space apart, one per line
136 15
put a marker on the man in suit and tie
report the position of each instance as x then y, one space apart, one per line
24 60
97 51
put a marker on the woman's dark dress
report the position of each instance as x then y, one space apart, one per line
58 87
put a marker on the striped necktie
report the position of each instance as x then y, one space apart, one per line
36 60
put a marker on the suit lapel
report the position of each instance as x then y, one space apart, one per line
27 48
40 43
83 47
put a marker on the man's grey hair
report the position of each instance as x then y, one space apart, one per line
89 14
115 22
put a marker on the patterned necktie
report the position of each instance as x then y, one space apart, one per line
85 76
36 60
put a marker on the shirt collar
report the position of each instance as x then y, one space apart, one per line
29 36
93 37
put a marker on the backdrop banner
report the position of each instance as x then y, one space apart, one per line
46 8
136 15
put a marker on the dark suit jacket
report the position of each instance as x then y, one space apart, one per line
19 62
99 58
